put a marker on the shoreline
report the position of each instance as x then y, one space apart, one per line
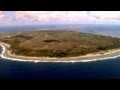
85 58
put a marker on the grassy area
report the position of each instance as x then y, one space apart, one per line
58 43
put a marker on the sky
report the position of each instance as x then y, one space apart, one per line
59 17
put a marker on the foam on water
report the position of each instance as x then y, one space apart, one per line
36 61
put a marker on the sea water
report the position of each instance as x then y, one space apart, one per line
103 69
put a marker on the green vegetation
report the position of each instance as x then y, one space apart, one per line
58 43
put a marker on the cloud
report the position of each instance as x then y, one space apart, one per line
2 16
31 15
77 16
66 16
105 15
51 15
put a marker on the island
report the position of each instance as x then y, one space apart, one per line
58 45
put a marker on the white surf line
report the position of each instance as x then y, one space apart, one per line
36 61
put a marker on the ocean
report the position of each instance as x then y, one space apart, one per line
101 69
88 28
105 69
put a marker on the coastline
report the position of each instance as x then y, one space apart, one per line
110 54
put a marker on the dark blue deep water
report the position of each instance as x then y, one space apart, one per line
105 69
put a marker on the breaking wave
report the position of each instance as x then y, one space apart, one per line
36 61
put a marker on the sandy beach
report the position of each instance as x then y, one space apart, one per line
89 57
